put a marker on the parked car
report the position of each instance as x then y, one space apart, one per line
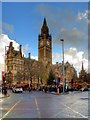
17 89
89 89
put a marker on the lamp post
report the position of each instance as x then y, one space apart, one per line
62 40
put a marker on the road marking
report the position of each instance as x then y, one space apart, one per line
1 100
75 111
10 110
37 107
71 110
1 108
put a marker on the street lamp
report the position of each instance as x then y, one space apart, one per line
62 40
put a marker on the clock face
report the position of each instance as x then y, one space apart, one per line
48 43
41 43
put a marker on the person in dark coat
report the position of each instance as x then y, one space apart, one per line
5 90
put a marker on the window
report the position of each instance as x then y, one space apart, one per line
14 61
10 67
19 61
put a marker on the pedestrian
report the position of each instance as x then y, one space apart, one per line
29 89
5 91
45 89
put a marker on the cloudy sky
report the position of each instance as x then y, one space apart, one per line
21 23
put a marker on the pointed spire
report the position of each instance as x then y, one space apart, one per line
11 44
44 29
44 22
82 66
11 48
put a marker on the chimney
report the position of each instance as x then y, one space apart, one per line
20 49
29 55
11 44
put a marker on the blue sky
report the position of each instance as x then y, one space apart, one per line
23 20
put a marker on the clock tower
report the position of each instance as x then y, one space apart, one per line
45 45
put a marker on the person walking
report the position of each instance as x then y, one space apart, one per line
29 89
5 91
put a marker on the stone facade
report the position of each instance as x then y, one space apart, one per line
69 71
15 64
27 70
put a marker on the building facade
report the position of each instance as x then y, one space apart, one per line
26 70
69 71
14 65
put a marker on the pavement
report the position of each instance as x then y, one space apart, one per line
65 93
3 96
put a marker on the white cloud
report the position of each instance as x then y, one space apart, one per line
56 57
73 37
34 57
73 57
83 15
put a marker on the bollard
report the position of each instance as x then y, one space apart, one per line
57 91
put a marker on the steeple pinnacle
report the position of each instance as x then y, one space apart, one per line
44 22
44 29
82 66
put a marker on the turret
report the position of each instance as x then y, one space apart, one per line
20 50
11 48
29 55
82 66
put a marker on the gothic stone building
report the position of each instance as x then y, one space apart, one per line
27 70
69 71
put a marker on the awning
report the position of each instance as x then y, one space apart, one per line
21 85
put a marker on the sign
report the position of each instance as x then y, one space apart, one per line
56 81
2 75
61 78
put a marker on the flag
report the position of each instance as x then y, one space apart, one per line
2 75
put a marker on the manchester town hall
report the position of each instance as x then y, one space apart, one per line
21 70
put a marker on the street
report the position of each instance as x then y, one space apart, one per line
37 104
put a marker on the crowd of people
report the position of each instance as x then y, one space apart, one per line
49 88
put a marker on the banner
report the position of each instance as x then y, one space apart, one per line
2 75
